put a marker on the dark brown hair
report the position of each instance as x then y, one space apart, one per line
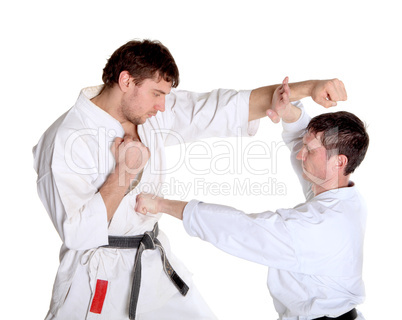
343 133
143 60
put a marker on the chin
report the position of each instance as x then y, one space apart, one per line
305 177
138 121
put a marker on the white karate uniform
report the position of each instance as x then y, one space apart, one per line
73 160
314 250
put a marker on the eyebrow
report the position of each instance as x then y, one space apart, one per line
308 144
160 91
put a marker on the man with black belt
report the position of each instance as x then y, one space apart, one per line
115 263
314 251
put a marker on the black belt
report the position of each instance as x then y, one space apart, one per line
351 315
144 242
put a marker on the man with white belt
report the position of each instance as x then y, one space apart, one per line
314 251
93 160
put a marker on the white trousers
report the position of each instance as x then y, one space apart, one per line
192 306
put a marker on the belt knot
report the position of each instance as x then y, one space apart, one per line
148 240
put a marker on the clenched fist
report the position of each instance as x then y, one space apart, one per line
147 203
130 154
328 92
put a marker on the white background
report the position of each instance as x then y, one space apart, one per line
52 49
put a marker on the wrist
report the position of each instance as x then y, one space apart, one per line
125 175
300 90
174 208
292 115
161 204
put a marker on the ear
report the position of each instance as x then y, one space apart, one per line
124 80
342 162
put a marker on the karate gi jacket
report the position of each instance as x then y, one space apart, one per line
314 250
73 160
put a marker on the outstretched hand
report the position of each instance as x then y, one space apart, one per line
281 107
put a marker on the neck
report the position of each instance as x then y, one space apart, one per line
109 100
332 184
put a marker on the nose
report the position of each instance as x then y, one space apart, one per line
160 108
300 154
161 105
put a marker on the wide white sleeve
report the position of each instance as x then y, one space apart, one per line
219 113
292 135
66 186
263 238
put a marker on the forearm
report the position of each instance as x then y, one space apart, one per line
292 131
113 191
303 89
175 208
292 114
261 98
260 102
293 137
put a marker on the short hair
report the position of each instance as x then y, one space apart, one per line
144 59
343 133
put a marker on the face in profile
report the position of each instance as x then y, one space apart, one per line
143 101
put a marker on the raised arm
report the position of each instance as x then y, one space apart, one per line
323 92
294 122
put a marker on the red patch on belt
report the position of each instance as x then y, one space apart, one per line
99 297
